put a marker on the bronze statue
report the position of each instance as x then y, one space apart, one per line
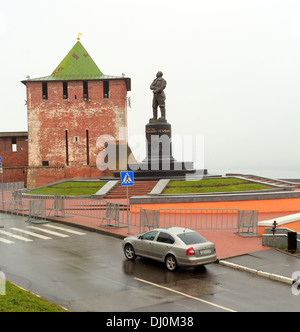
159 97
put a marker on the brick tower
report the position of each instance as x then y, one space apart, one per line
67 112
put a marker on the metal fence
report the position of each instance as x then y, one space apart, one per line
247 222
11 186
14 207
34 209
199 218
113 215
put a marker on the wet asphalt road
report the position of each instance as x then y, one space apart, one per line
86 271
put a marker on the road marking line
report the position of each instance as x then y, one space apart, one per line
185 295
66 230
46 231
32 234
16 236
6 241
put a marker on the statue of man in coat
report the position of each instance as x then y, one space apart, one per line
159 97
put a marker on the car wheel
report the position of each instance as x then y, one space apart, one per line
129 252
171 263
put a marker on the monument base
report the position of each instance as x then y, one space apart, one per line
164 174
159 162
161 165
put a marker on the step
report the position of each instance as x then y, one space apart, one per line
140 188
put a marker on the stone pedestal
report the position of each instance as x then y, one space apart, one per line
159 161
159 144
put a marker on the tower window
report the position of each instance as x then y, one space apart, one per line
65 90
85 90
105 89
14 144
45 90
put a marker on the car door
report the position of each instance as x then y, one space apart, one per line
164 242
143 246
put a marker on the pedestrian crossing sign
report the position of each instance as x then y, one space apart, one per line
127 179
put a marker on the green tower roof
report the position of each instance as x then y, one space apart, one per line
77 65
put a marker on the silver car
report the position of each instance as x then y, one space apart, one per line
174 246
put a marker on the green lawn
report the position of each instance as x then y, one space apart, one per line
211 186
18 300
207 182
71 188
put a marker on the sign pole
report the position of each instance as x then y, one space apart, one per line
127 208
1 171
127 179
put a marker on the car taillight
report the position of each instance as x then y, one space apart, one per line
190 252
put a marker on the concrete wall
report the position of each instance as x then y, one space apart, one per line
279 239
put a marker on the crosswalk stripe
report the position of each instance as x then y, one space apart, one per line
15 236
6 241
47 231
31 233
66 230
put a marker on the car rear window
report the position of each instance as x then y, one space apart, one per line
191 238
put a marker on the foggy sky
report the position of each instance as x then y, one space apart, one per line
232 69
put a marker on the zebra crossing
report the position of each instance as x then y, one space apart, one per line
32 233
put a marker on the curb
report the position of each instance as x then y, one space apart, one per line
88 228
259 273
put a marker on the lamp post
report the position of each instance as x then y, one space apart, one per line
274 227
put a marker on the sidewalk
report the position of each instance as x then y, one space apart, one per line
271 264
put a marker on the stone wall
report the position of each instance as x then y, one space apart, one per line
63 134
14 154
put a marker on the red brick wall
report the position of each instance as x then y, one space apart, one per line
49 119
10 158
15 174
14 163
40 176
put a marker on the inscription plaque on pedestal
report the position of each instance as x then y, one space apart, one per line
159 142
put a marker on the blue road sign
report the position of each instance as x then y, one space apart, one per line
127 179
0 161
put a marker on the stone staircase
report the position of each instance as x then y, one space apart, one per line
140 188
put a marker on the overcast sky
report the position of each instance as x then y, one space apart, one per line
232 69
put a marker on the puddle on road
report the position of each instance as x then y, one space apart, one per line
196 287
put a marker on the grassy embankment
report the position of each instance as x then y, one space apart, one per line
212 185
71 188
19 300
